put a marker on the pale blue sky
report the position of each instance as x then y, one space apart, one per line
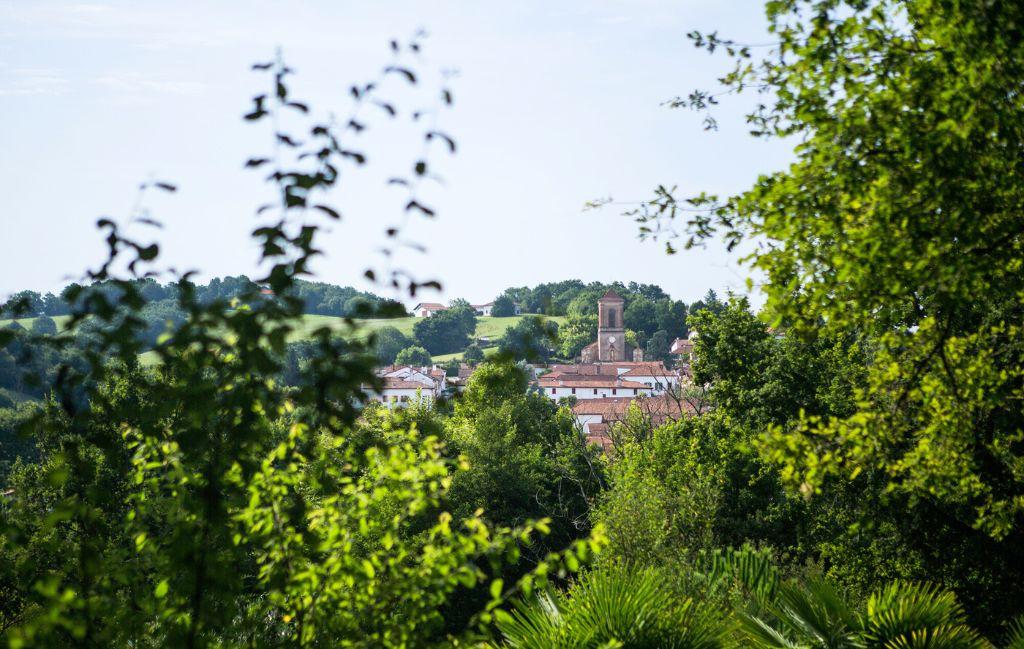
557 103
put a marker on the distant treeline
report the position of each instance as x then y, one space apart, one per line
651 317
572 296
319 297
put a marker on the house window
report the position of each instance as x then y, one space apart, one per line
595 390
552 390
614 390
574 390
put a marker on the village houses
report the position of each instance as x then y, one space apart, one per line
427 309
404 385
606 378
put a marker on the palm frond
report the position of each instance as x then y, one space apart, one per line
815 615
754 569
534 623
1015 635
613 607
915 615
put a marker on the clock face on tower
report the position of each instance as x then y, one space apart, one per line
611 339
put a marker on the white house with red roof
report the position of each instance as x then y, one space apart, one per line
427 309
652 374
483 309
682 349
596 386
404 385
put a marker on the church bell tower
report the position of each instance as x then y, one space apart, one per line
611 332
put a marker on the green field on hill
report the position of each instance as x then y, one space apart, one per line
61 320
487 327
457 356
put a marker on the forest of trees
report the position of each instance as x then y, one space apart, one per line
856 479
318 298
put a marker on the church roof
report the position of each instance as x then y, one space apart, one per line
612 295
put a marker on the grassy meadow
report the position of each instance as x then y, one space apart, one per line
488 327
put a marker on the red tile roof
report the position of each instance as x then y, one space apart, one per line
430 306
584 370
648 369
642 368
681 346
396 383
610 409
607 407
612 295
584 382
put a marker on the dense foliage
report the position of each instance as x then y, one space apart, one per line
447 331
849 472
202 502
900 222
531 339
317 297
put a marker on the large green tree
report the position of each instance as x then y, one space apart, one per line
446 331
578 331
530 339
901 220
526 458
413 356
388 342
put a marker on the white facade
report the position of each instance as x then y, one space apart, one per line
404 385
591 390
402 397
658 382
584 421
427 309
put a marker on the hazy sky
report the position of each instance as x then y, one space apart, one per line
556 103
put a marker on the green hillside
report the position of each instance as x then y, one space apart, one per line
487 327
457 356
61 320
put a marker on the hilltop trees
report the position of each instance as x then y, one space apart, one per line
414 355
641 316
530 339
446 331
473 354
388 342
503 307
318 298
578 331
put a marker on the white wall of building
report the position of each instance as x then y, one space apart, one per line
658 384
558 392
585 420
402 397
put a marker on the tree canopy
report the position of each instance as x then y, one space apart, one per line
899 221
